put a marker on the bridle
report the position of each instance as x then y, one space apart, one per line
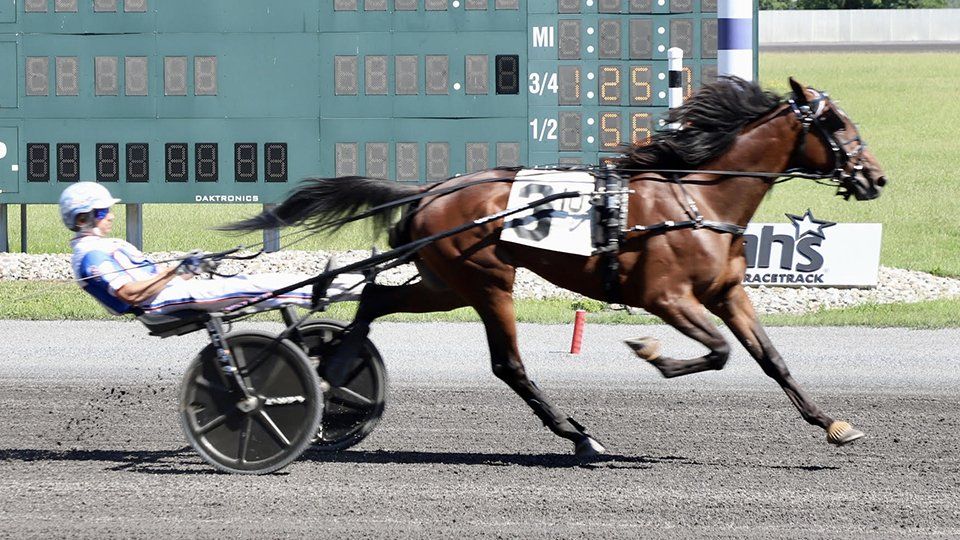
846 163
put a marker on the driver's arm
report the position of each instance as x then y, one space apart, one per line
138 292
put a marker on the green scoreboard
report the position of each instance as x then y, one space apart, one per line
234 100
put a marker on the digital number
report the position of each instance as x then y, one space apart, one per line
610 130
406 77
65 6
275 162
641 38
107 75
681 35
610 37
438 74
609 84
687 75
38 76
568 39
539 83
544 130
571 131
477 73
438 160
135 6
68 162
508 73
641 92
346 160
478 157
38 162
640 128
569 93
178 167
108 162
67 76
206 157
377 158
245 162
35 6
102 6
375 75
345 76
408 162
508 154
205 75
135 76
175 76
138 162
709 37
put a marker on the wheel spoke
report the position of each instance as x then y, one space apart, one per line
240 357
341 395
355 372
211 425
202 382
271 427
244 439
276 367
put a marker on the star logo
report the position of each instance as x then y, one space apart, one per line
807 224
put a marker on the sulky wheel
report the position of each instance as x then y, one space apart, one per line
251 436
353 409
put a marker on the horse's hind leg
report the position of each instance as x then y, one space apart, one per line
737 312
496 310
379 300
687 315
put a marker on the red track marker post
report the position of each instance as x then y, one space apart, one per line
578 323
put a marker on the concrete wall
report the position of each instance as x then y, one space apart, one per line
860 26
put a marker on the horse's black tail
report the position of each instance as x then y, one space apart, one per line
324 204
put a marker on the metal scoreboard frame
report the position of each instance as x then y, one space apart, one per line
232 101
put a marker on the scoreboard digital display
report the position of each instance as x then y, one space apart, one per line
232 100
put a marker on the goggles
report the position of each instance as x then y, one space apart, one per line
100 213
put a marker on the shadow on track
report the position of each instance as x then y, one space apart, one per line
181 461
606 461
185 461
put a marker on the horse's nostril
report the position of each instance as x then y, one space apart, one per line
882 181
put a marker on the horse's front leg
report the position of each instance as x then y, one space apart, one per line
686 314
737 312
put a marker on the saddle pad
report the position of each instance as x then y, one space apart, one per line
563 225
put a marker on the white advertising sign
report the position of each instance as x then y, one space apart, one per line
812 252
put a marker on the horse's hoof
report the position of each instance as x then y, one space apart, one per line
589 447
841 433
647 348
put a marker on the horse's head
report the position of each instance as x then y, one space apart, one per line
842 153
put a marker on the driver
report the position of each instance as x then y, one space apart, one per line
124 280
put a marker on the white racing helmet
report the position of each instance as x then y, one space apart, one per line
82 198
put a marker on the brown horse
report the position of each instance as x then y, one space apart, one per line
733 129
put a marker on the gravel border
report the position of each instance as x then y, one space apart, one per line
895 284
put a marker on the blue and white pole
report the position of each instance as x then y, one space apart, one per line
735 38
675 71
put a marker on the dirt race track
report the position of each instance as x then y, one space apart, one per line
90 445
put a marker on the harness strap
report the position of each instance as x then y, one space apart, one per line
719 226
611 214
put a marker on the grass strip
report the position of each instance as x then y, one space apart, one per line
44 300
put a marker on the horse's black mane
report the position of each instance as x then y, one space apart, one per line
710 121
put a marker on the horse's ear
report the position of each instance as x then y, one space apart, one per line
799 93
